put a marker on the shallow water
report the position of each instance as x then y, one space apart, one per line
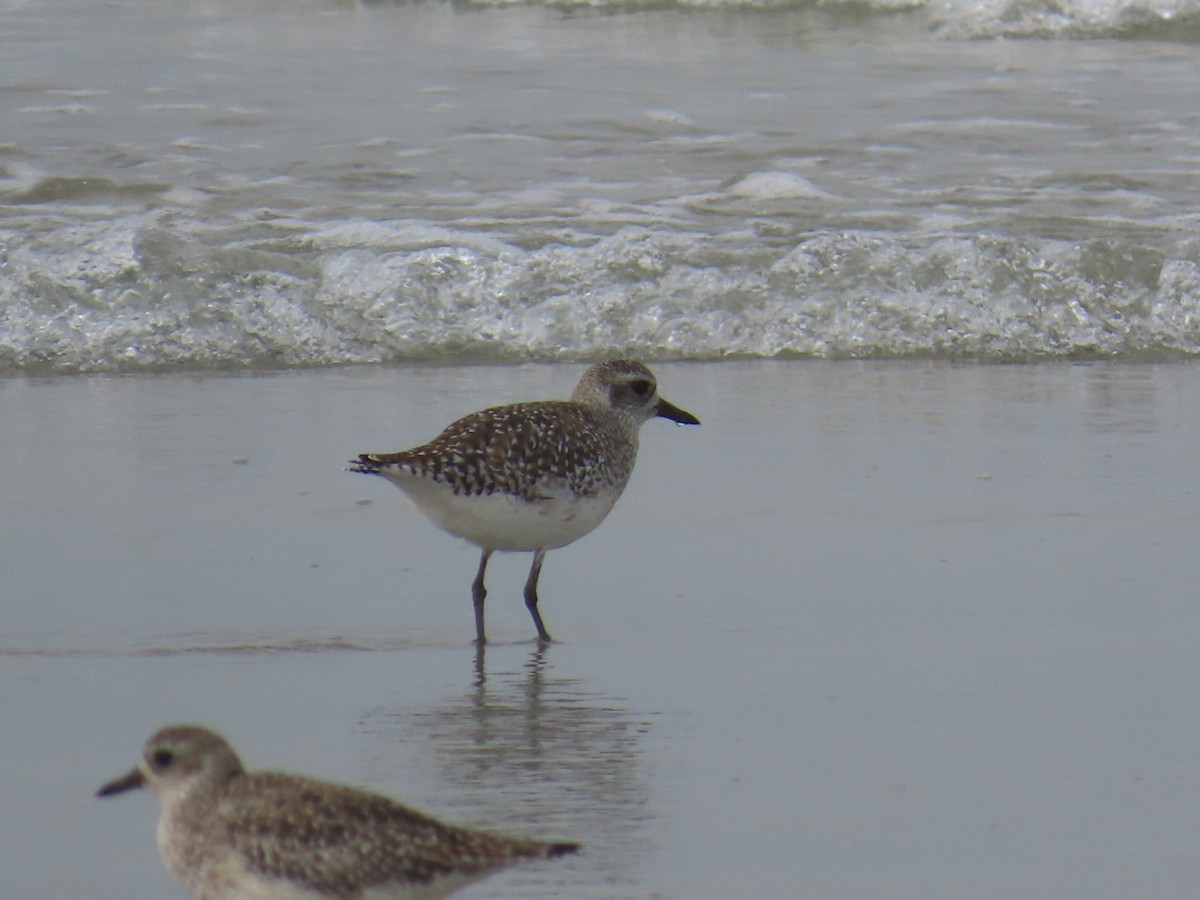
874 630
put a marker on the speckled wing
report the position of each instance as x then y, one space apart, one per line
530 450
339 840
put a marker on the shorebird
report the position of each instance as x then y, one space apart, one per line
229 834
534 476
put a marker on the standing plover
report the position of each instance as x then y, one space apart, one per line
531 476
228 834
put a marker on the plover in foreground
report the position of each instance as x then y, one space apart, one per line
227 833
531 476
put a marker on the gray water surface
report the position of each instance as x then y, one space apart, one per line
871 631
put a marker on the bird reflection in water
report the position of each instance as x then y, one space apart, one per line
526 746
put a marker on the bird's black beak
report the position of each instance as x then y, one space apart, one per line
128 782
675 414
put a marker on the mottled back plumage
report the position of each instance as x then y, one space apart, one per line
522 450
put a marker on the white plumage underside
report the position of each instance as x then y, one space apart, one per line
501 521
230 879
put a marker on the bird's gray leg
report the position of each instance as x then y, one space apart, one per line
531 597
478 592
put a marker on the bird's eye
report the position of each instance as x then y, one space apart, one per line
641 387
160 759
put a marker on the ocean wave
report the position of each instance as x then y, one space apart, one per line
1168 20
1164 20
115 297
1174 20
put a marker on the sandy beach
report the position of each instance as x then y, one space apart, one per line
875 630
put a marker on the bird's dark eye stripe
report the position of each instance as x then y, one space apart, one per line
641 387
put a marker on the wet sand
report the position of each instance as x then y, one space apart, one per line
875 630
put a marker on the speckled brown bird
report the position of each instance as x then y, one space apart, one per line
531 476
227 833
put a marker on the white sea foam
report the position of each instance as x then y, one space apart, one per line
121 296
1179 19
963 19
776 186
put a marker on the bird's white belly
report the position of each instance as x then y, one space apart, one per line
503 522
229 878
220 872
